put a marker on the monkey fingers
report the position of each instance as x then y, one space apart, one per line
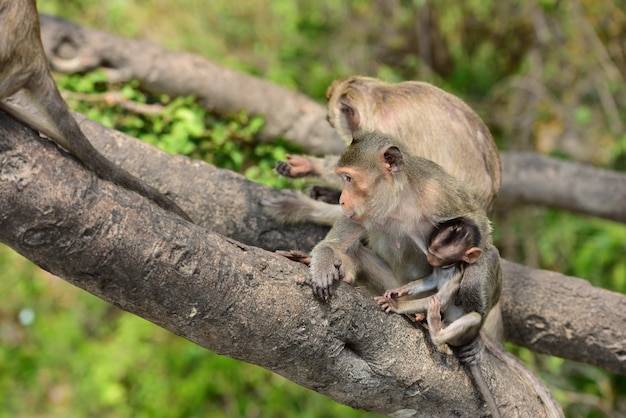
387 305
396 293
295 166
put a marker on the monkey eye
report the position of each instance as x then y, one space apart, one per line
346 177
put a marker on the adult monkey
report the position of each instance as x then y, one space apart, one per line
426 120
25 82
391 192
395 200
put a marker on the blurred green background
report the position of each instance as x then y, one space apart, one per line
546 76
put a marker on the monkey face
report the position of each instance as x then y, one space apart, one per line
354 193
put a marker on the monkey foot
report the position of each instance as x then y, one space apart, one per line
434 316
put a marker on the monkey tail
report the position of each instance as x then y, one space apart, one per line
553 409
469 355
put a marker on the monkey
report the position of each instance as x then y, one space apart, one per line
396 198
462 273
452 251
26 85
426 120
452 246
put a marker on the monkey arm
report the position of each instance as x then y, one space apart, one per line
448 290
292 207
342 237
417 287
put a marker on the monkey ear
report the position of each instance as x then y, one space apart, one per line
351 114
471 255
393 160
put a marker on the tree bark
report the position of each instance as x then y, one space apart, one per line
232 298
527 178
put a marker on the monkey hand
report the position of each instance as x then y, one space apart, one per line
295 166
324 271
325 194
386 304
396 293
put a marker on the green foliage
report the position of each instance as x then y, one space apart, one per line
179 126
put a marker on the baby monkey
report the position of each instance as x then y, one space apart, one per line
453 251
452 246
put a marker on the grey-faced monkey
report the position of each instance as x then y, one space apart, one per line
26 83
427 121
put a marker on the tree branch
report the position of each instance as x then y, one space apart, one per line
292 115
539 180
527 178
229 297
226 203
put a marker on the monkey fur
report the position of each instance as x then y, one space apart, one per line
26 83
393 201
426 120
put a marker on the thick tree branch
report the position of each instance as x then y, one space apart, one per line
527 178
226 203
551 313
229 297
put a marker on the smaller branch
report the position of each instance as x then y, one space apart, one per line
564 316
538 180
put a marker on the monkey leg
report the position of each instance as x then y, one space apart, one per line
292 207
325 194
460 331
373 271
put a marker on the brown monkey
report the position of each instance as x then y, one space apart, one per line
393 199
426 120
26 86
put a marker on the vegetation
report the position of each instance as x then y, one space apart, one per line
547 76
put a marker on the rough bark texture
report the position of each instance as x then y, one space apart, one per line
544 311
527 178
292 115
226 203
229 297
